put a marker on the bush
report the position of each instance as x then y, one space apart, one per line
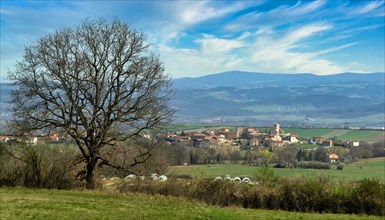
306 195
40 166
340 167
280 165
312 165
213 192
319 194
368 197
265 176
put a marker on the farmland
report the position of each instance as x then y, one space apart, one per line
22 203
372 168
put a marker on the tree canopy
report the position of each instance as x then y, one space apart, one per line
97 82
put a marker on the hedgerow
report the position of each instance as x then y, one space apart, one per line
320 194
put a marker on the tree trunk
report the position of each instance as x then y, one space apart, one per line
90 173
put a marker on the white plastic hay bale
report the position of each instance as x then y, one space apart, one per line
246 180
116 179
162 178
111 182
153 176
228 178
218 178
237 179
130 177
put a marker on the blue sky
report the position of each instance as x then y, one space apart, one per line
196 38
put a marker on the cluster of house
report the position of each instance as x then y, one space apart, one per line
248 138
31 138
243 137
333 157
329 143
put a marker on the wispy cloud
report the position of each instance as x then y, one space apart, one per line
333 49
198 11
281 53
268 51
185 14
202 37
275 17
211 44
304 32
372 7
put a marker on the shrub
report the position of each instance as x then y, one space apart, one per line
265 176
280 165
213 192
306 194
11 171
368 196
39 166
312 165
319 194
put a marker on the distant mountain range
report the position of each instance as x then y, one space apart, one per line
247 98
347 99
240 79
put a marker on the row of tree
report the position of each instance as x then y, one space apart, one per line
287 156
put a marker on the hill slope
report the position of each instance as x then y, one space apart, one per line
259 99
347 99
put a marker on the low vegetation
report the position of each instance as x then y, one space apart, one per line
320 194
22 203
351 188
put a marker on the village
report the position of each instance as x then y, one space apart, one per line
246 138
221 139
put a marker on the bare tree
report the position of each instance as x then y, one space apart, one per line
98 82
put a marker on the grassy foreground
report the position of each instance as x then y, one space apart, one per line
22 203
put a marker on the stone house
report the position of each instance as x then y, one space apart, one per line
333 158
327 143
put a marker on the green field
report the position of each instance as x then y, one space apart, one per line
22 203
310 132
372 168
340 134
359 134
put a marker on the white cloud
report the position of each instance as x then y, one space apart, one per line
294 62
329 50
268 52
304 32
196 62
275 54
275 17
370 7
288 37
213 44
191 12
185 14
310 7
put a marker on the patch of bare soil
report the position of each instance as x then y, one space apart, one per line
377 138
374 159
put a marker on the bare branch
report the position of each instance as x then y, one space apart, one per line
88 79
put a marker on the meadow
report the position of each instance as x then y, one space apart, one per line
369 168
23 203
